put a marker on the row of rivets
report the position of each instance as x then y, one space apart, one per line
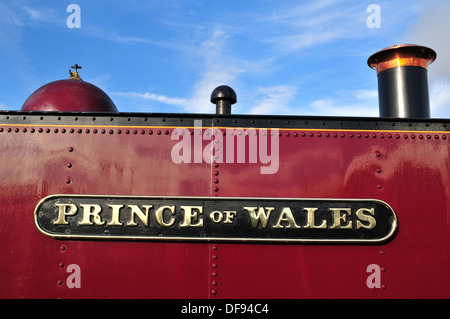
86 131
287 134
214 266
378 170
61 265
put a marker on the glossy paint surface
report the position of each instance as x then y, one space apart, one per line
408 169
69 95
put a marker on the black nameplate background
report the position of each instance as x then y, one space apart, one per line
213 223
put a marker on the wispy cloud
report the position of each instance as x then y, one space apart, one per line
274 100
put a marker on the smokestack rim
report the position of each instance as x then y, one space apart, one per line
408 54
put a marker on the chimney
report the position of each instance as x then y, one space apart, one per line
223 96
402 72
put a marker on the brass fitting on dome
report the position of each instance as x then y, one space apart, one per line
74 75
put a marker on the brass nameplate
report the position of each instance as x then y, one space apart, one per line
215 218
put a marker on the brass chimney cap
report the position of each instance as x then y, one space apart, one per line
402 55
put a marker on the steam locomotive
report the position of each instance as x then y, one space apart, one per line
96 203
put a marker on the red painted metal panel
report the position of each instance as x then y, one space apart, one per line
407 170
35 165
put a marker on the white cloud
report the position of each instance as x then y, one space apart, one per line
274 100
440 99
154 97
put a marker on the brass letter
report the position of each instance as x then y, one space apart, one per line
115 215
159 214
229 215
310 218
62 213
190 214
217 219
135 210
367 218
286 216
262 216
338 218
91 210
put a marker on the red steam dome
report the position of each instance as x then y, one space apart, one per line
71 95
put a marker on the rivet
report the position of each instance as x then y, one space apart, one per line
382 252
61 265
295 134
389 135
383 286
95 131
377 154
119 131
70 149
378 170
216 189
40 130
79 131
216 181
214 265
158 132
216 173
379 186
60 282
62 248
214 292
428 137
103 131
111 132
216 164
69 165
444 137
214 274
214 283
214 256
166 132
214 247
405 136
421 136
25 130
383 269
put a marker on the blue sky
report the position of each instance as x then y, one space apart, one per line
281 57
